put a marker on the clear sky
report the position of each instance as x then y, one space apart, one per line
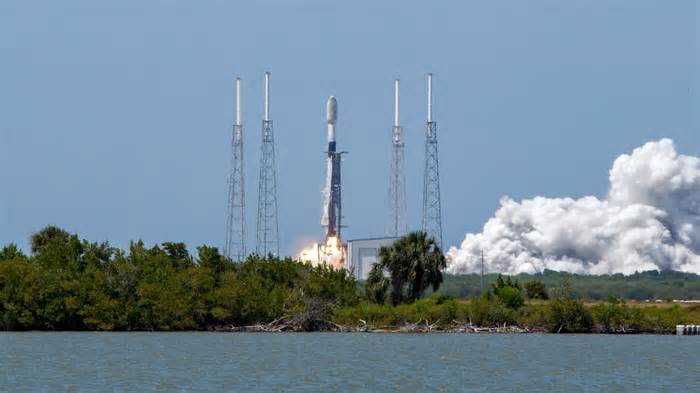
115 116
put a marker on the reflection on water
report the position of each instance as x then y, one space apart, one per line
135 362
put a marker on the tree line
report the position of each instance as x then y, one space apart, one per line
530 306
68 283
649 285
73 284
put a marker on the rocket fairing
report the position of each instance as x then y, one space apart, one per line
332 210
331 117
332 110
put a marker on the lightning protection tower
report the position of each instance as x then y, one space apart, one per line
267 226
432 215
234 247
396 220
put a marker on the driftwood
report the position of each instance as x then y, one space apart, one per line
423 326
314 317
615 329
298 323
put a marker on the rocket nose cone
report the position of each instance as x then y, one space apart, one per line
332 110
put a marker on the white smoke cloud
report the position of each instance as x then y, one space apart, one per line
650 220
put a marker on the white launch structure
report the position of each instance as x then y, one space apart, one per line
432 212
267 224
396 201
234 246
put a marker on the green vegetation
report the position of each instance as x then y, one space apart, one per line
508 292
413 263
639 286
536 289
561 315
72 284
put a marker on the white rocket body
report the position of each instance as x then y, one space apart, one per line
331 215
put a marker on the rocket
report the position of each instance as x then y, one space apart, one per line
332 208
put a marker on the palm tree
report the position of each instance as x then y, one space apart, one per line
413 263
45 236
377 285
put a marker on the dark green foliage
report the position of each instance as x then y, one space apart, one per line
559 315
536 289
414 263
613 316
567 316
72 284
508 292
376 286
489 311
210 258
510 297
639 286
75 285
427 311
46 236
11 252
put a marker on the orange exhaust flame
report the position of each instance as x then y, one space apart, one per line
331 253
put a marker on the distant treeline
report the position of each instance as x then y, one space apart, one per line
557 315
639 286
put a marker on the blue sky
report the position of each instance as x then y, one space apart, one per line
115 116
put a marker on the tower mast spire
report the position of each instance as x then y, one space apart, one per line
234 246
432 213
267 224
396 220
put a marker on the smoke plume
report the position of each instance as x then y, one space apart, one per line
650 220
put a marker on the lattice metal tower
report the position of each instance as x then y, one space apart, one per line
396 220
432 215
267 226
234 247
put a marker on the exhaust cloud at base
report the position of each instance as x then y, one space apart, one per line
650 220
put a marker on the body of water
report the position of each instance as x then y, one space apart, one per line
335 362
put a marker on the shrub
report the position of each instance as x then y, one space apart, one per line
536 289
508 292
613 316
567 316
487 311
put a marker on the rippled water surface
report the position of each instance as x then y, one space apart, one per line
136 362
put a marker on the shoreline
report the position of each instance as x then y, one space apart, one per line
422 329
379 330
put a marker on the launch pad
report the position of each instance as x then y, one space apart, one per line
357 255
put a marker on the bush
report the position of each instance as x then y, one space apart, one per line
488 311
613 316
536 289
510 297
425 311
567 316
508 292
